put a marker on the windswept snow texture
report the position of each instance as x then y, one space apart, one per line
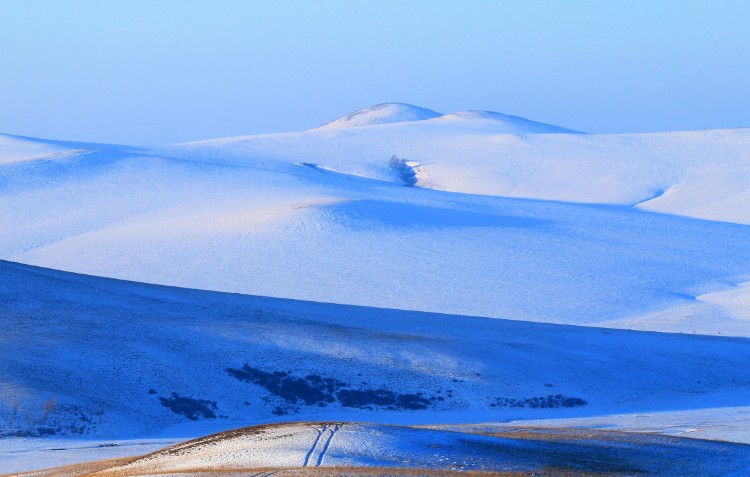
87 356
323 216
15 149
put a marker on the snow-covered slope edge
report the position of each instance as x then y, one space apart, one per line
500 123
194 361
339 448
17 149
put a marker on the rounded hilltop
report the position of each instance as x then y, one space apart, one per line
390 113
384 113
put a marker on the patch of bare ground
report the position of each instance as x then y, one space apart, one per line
74 470
183 447
558 434
83 471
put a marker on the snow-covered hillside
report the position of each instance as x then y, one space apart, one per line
91 356
357 449
270 215
395 207
389 113
15 149
702 174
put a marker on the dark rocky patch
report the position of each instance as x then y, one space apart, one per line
366 399
539 402
405 171
191 408
314 389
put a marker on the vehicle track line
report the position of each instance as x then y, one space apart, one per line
332 431
314 445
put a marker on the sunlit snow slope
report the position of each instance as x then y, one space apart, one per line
703 174
345 449
326 215
15 149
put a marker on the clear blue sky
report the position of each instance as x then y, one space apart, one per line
166 71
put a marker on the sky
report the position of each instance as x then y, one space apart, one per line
165 71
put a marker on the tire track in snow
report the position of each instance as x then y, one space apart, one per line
328 443
314 445
322 441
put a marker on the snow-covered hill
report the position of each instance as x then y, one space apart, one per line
471 213
214 217
501 123
91 356
346 449
390 113
385 113
702 174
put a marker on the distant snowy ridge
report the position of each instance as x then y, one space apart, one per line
504 123
703 174
384 113
393 113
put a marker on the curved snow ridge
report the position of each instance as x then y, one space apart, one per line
15 150
384 113
735 300
390 113
506 123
